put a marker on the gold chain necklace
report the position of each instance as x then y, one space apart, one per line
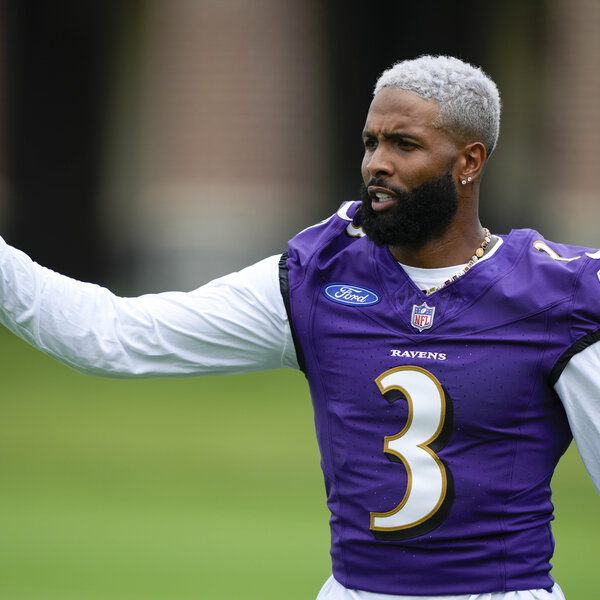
476 256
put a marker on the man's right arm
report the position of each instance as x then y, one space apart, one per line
233 324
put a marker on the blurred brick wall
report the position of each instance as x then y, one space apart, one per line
570 206
230 136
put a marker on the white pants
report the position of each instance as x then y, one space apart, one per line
332 590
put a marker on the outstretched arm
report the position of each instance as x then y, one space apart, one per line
233 324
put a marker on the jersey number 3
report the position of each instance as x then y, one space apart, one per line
429 489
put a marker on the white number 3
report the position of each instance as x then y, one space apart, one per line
429 489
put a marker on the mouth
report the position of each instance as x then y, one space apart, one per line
381 198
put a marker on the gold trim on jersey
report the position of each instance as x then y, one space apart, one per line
543 247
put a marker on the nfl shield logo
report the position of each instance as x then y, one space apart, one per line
422 316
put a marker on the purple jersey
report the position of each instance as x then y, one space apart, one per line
437 422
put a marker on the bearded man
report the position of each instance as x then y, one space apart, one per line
449 367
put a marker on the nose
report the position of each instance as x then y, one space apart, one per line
377 162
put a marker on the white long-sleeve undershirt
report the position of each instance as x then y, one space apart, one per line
233 324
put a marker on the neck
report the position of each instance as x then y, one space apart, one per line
453 247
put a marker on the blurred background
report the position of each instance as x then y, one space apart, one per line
155 144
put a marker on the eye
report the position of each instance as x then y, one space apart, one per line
405 144
370 143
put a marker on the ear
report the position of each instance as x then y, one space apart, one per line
471 161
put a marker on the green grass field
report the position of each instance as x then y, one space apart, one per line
185 489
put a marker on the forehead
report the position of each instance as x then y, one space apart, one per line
395 110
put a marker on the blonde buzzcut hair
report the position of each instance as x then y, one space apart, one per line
469 100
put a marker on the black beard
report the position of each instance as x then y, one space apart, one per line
417 217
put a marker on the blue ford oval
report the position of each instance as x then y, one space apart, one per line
350 294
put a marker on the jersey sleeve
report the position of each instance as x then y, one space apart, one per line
234 324
576 373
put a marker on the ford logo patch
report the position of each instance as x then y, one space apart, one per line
350 295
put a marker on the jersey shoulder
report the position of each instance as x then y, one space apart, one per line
576 271
328 237
568 274
566 262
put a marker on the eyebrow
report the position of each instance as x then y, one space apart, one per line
394 137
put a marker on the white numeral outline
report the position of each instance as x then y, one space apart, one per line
429 491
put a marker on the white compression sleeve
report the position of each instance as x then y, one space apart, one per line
233 324
580 394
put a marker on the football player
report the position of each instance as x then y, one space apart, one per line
449 366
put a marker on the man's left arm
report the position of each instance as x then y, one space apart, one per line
579 390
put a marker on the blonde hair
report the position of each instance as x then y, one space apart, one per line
469 100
